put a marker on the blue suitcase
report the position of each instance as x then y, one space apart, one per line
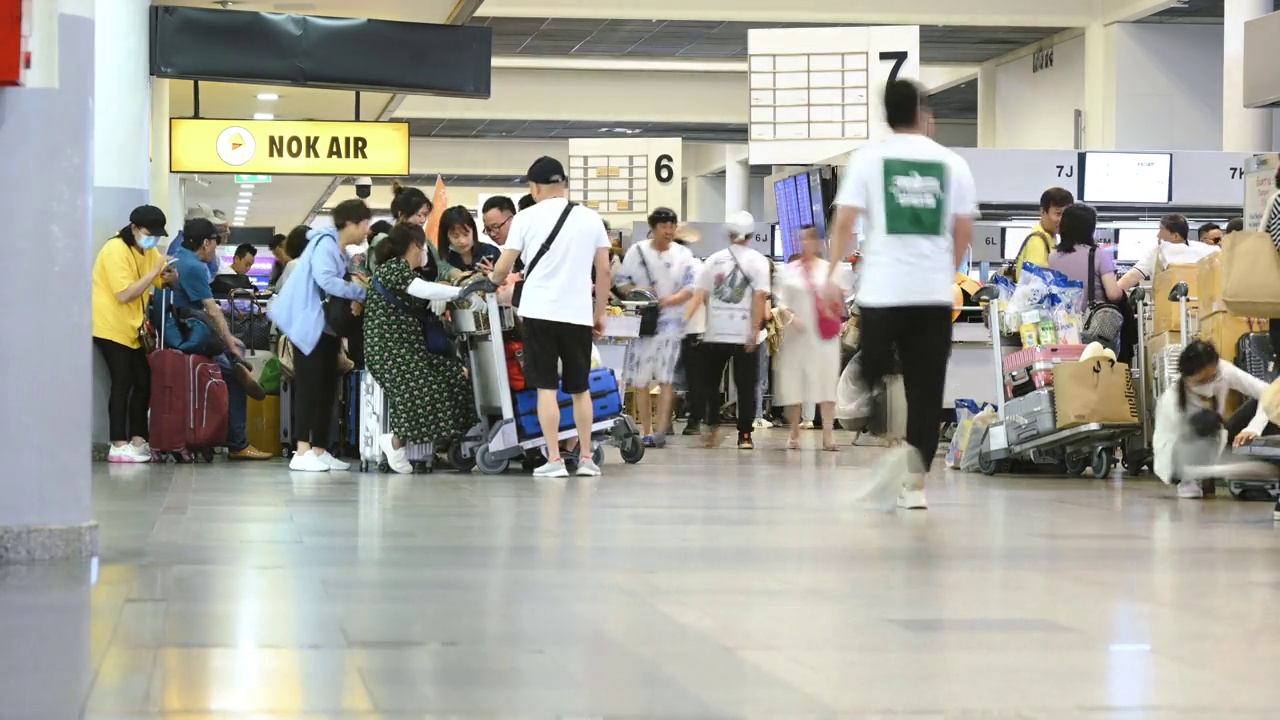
606 401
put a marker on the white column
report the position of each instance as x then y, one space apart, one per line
1100 87
1243 130
737 179
987 137
159 184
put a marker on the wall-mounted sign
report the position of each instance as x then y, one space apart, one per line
254 179
281 147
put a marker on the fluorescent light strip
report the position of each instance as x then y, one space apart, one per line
248 187
246 194
263 116
268 96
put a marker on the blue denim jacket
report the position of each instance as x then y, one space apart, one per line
299 309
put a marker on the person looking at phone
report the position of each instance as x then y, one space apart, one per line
193 298
126 270
466 252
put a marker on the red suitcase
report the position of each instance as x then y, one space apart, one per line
189 405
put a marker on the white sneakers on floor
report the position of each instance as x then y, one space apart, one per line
557 469
761 424
398 460
129 453
308 462
1190 490
895 484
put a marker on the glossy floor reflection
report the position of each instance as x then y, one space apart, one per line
695 585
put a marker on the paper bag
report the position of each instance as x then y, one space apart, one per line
1250 275
1096 391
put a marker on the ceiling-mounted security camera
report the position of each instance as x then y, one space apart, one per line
364 187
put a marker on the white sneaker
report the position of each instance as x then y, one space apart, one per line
127 454
761 424
889 476
308 462
1190 490
588 468
333 462
912 499
397 459
553 470
143 449
806 425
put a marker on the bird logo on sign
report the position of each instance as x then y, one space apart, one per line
236 146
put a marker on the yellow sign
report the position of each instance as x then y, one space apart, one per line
283 147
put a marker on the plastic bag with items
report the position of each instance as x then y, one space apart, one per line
966 411
1041 289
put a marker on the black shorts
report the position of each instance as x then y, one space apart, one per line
550 346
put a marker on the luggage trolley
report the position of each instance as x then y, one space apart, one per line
494 442
1091 445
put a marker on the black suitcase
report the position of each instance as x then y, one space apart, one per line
1256 356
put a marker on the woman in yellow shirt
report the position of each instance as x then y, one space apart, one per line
126 269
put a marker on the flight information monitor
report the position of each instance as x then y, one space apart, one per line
1126 177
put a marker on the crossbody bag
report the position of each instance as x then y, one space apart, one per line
433 331
649 313
518 291
1103 321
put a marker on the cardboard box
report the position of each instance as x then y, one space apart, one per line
1168 313
1224 330
1209 280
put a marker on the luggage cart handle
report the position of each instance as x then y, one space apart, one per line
478 285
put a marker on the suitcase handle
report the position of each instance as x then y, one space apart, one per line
252 298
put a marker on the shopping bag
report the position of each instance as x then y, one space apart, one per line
271 377
853 397
1093 391
1251 275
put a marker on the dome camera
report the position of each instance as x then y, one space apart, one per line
364 187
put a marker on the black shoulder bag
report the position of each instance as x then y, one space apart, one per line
1102 320
518 290
649 313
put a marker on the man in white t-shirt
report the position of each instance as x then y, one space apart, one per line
1173 231
559 242
734 286
918 202
666 270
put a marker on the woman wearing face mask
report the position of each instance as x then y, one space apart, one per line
126 270
411 206
428 393
466 252
1189 428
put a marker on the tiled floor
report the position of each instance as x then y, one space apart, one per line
695 585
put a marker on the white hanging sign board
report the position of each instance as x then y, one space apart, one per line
818 92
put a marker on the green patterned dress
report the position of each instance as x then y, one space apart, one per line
429 395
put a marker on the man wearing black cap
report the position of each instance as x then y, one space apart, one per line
560 242
193 295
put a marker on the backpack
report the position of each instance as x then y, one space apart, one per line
1011 270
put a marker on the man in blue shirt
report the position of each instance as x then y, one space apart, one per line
203 211
193 294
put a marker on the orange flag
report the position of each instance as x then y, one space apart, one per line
439 201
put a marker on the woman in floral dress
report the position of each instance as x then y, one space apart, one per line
428 394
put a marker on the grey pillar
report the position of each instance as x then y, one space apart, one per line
46 132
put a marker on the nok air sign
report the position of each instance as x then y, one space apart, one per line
282 147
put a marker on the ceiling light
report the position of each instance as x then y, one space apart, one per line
237 224
243 201
241 210
248 187
622 131
246 194
263 116
268 96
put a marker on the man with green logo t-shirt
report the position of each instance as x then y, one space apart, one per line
917 203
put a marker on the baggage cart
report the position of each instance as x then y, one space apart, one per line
495 441
1088 446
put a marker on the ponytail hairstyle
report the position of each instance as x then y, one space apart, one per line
397 242
407 201
1195 357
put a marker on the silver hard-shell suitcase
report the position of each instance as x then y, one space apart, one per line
375 422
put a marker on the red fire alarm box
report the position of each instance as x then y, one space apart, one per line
15 58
